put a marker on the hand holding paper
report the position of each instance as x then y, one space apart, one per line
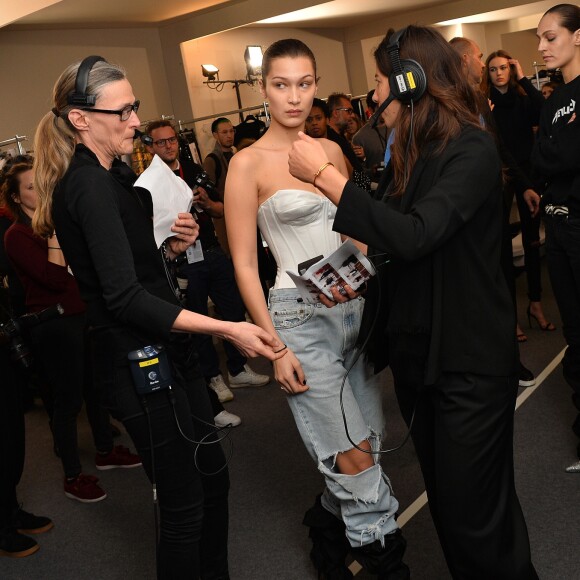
170 195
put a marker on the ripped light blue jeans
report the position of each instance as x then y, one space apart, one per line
324 339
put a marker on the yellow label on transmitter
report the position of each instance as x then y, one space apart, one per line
148 363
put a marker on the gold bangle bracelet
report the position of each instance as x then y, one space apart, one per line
322 168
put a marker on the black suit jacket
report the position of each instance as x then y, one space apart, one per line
443 237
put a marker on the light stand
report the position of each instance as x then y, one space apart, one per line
253 57
218 84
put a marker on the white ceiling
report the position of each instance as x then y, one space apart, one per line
125 13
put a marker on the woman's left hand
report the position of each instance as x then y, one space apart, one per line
340 294
519 71
306 157
186 231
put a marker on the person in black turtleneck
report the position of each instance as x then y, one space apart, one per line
516 106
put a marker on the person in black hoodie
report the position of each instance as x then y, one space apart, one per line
516 106
556 157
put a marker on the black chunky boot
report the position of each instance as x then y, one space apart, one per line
386 562
329 544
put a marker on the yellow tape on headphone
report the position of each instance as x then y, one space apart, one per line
411 80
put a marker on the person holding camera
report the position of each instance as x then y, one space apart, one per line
58 343
15 523
211 276
216 164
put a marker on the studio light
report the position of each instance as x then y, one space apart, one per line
210 71
253 57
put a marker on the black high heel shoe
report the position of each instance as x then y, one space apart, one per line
548 327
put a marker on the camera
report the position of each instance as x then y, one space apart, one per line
202 180
12 333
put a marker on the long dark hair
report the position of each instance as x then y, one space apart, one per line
448 105
513 84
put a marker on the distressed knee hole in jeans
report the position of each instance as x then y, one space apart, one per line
367 503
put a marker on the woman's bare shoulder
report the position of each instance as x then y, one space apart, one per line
248 159
330 146
332 149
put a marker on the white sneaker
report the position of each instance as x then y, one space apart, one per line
224 419
248 378
217 384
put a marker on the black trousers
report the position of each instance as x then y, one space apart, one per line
563 253
193 505
12 386
59 348
462 431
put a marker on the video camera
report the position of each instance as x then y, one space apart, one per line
202 180
12 333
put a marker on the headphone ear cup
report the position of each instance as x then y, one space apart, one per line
410 84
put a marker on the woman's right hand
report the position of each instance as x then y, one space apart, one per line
253 341
288 372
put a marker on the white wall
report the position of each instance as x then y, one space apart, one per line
31 62
226 51
167 77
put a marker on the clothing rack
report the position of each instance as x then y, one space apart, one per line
263 106
536 66
17 139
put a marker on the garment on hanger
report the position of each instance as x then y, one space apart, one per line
250 128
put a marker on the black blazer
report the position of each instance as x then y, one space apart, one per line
443 237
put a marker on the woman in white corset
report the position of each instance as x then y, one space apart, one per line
357 508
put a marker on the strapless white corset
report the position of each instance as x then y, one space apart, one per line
297 226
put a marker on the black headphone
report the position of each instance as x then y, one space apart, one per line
407 82
79 97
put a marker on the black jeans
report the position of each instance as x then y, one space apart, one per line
11 434
214 278
462 432
59 347
193 506
563 253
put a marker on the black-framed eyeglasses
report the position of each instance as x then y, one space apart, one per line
124 113
348 110
161 142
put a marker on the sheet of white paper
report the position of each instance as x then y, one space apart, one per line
170 194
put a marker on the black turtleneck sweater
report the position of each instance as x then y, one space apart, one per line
105 228
515 115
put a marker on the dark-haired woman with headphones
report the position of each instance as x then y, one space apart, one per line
438 224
